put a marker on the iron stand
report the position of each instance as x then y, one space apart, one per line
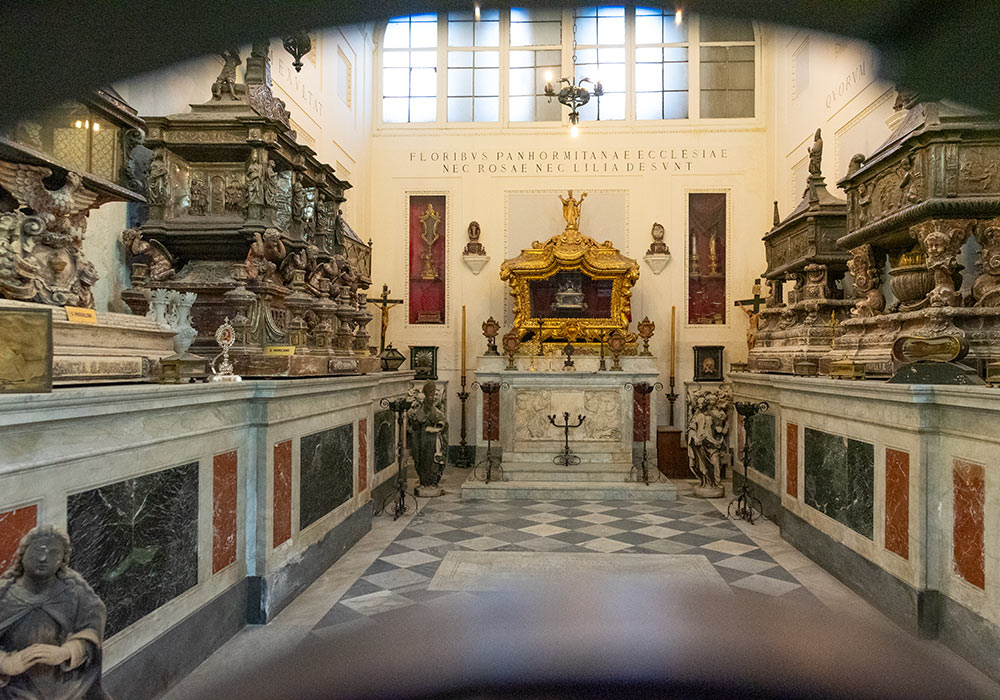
744 500
640 472
462 459
398 497
565 458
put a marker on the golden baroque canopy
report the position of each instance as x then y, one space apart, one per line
570 288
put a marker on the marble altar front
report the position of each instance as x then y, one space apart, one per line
528 442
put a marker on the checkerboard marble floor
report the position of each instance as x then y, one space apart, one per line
385 577
399 577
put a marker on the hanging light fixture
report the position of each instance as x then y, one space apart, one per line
574 94
298 45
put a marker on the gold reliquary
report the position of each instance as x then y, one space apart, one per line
570 288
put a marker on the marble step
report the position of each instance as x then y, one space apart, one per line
559 490
597 459
551 472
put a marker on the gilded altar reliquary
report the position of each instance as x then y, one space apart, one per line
570 288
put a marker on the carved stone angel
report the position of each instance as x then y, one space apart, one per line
161 262
265 253
226 82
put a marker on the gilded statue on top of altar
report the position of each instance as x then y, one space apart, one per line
570 288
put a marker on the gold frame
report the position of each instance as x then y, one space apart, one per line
569 251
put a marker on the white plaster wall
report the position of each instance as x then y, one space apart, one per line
516 208
835 90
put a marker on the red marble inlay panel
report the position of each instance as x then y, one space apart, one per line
969 526
491 415
14 524
282 513
792 460
640 415
362 454
224 489
897 502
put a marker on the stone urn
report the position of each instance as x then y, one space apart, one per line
910 285
185 333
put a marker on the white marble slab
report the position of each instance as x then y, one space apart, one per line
499 571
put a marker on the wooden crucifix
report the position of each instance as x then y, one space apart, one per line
753 316
756 302
384 303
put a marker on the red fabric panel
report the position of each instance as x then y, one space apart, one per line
706 292
427 297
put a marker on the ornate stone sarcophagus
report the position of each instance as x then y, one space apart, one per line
928 200
796 328
249 220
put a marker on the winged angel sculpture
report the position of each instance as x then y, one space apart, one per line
41 243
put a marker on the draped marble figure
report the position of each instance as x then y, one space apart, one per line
51 624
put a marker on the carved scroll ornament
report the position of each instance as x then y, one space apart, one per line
870 301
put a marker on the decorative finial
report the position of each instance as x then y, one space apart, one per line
777 217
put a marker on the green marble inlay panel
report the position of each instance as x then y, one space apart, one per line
327 472
760 430
385 439
840 479
136 541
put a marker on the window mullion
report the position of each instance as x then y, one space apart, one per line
442 68
630 84
694 67
503 80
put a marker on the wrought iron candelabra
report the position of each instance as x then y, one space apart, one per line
573 95
742 505
489 469
640 472
565 458
462 459
397 499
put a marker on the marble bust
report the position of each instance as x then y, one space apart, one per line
51 624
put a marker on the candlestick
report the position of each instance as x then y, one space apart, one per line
671 394
463 343
673 340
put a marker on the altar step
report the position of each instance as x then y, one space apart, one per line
554 472
562 490
598 459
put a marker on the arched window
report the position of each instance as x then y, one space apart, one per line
652 63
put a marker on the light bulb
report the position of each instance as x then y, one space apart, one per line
548 76
574 131
97 126
78 124
477 11
678 16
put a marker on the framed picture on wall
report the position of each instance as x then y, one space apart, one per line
424 361
708 363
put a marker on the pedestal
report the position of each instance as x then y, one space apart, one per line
118 348
671 451
603 442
